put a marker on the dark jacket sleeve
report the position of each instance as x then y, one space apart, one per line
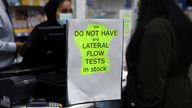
154 62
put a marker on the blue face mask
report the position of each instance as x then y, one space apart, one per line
63 17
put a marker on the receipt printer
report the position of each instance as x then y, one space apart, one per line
18 88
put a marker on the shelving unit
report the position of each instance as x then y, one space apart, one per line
25 19
25 15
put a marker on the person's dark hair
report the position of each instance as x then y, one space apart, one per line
151 9
51 9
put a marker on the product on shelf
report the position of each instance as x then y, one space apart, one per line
13 2
25 19
34 2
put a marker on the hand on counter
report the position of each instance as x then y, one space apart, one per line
19 47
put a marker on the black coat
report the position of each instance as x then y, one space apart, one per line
161 81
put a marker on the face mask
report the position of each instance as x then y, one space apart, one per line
63 17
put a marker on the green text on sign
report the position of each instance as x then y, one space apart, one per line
94 44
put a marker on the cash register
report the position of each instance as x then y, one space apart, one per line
45 81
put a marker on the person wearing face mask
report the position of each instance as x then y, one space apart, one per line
58 12
158 57
50 85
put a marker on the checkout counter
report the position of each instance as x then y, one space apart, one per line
23 85
26 83
42 73
20 85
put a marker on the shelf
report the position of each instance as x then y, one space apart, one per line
23 32
33 2
26 7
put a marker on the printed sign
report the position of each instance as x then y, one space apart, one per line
95 49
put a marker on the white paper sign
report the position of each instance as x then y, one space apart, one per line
95 49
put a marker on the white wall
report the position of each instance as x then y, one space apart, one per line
112 5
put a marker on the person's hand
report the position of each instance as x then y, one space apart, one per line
19 46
